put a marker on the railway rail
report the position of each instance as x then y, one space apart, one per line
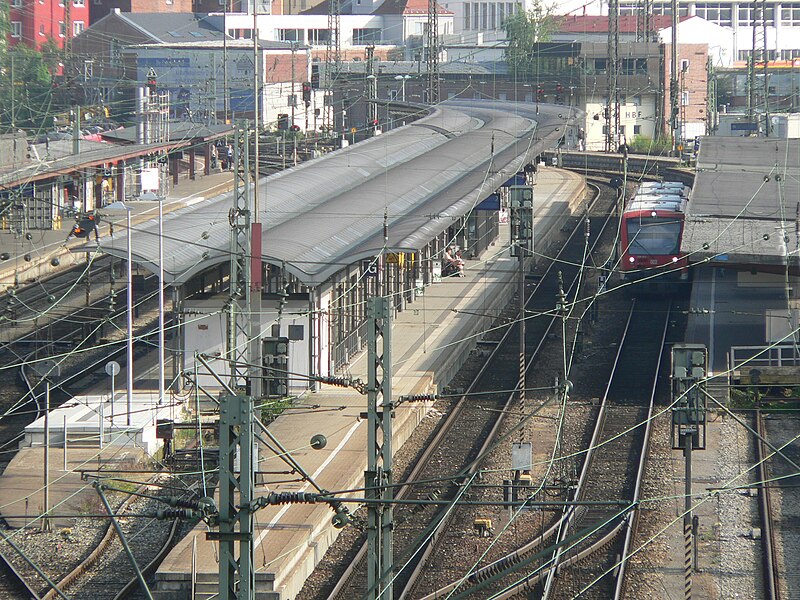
470 429
584 533
769 542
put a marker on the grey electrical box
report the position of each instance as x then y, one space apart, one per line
521 456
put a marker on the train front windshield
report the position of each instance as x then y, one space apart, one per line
654 236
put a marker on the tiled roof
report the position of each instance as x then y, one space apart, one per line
408 7
599 24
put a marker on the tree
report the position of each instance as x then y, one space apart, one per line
25 89
524 30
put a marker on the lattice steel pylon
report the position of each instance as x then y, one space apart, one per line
644 23
333 57
612 78
236 348
236 575
759 55
432 58
378 477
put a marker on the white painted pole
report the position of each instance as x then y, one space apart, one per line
65 442
45 519
160 301
113 390
129 366
101 426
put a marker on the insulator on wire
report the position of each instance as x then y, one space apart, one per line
201 505
176 513
337 381
419 398
291 498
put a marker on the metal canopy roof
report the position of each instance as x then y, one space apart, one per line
744 200
328 213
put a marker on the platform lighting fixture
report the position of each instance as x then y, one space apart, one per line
402 79
112 208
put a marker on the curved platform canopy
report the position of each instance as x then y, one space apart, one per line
328 213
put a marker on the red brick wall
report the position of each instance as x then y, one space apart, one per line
41 21
278 67
694 82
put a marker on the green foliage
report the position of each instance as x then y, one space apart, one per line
523 31
642 144
273 408
27 87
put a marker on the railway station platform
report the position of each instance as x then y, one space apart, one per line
46 245
431 340
741 237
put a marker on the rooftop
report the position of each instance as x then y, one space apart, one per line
328 213
743 206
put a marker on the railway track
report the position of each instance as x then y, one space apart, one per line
469 431
588 539
769 542
614 464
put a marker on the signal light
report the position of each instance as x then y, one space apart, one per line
307 92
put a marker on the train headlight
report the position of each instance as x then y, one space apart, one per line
654 214
674 259
631 259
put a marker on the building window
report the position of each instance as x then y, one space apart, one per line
392 94
62 29
745 16
714 12
365 37
790 54
16 3
290 35
467 21
637 129
476 16
16 29
41 29
77 28
318 37
501 14
484 16
790 14
684 98
665 8
492 22
78 2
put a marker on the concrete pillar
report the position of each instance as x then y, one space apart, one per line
176 167
191 164
119 182
207 154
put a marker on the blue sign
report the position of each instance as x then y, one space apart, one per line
491 202
744 126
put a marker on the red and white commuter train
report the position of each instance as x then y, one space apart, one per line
652 230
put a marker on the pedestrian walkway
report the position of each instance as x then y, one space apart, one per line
430 340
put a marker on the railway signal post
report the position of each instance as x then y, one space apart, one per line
520 199
688 372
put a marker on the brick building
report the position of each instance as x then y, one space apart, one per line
100 8
33 22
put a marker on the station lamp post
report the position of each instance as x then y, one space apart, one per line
402 79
